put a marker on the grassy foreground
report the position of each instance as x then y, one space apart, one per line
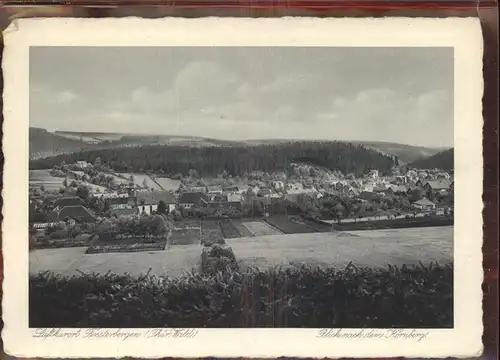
299 296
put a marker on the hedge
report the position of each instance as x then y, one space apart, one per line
296 296
99 249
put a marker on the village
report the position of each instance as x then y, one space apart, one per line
94 206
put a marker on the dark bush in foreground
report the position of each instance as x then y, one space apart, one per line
217 258
287 297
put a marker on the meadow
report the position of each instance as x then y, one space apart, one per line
168 184
140 179
38 178
364 248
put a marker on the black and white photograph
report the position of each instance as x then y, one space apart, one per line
209 187
243 183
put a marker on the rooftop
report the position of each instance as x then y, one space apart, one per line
192 197
154 197
76 212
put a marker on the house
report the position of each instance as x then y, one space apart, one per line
147 202
120 203
189 199
398 190
424 204
198 189
295 187
67 201
443 176
43 225
278 185
372 174
214 190
368 196
76 213
217 197
400 180
437 185
264 193
124 212
225 207
411 188
234 197
380 190
230 189
82 164
353 192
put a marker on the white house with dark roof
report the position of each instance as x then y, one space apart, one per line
424 204
147 201
189 199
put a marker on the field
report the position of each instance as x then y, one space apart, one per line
139 180
37 178
211 232
186 233
229 230
168 184
185 237
363 248
259 228
70 261
288 225
242 229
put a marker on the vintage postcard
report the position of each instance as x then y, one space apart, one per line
242 187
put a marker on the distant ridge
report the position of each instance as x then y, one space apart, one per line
44 143
443 160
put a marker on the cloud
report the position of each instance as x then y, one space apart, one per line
284 90
44 94
65 97
145 99
202 83
387 115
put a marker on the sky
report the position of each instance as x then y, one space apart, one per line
402 95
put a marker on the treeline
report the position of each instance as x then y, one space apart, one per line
236 160
442 160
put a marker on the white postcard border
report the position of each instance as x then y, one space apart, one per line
464 35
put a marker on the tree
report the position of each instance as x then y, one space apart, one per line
162 207
158 225
176 214
74 231
73 184
193 173
106 229
83 192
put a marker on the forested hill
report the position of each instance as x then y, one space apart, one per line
237 160
442 160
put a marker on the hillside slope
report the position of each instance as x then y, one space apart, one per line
236 160
442 160
43 144
405 153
